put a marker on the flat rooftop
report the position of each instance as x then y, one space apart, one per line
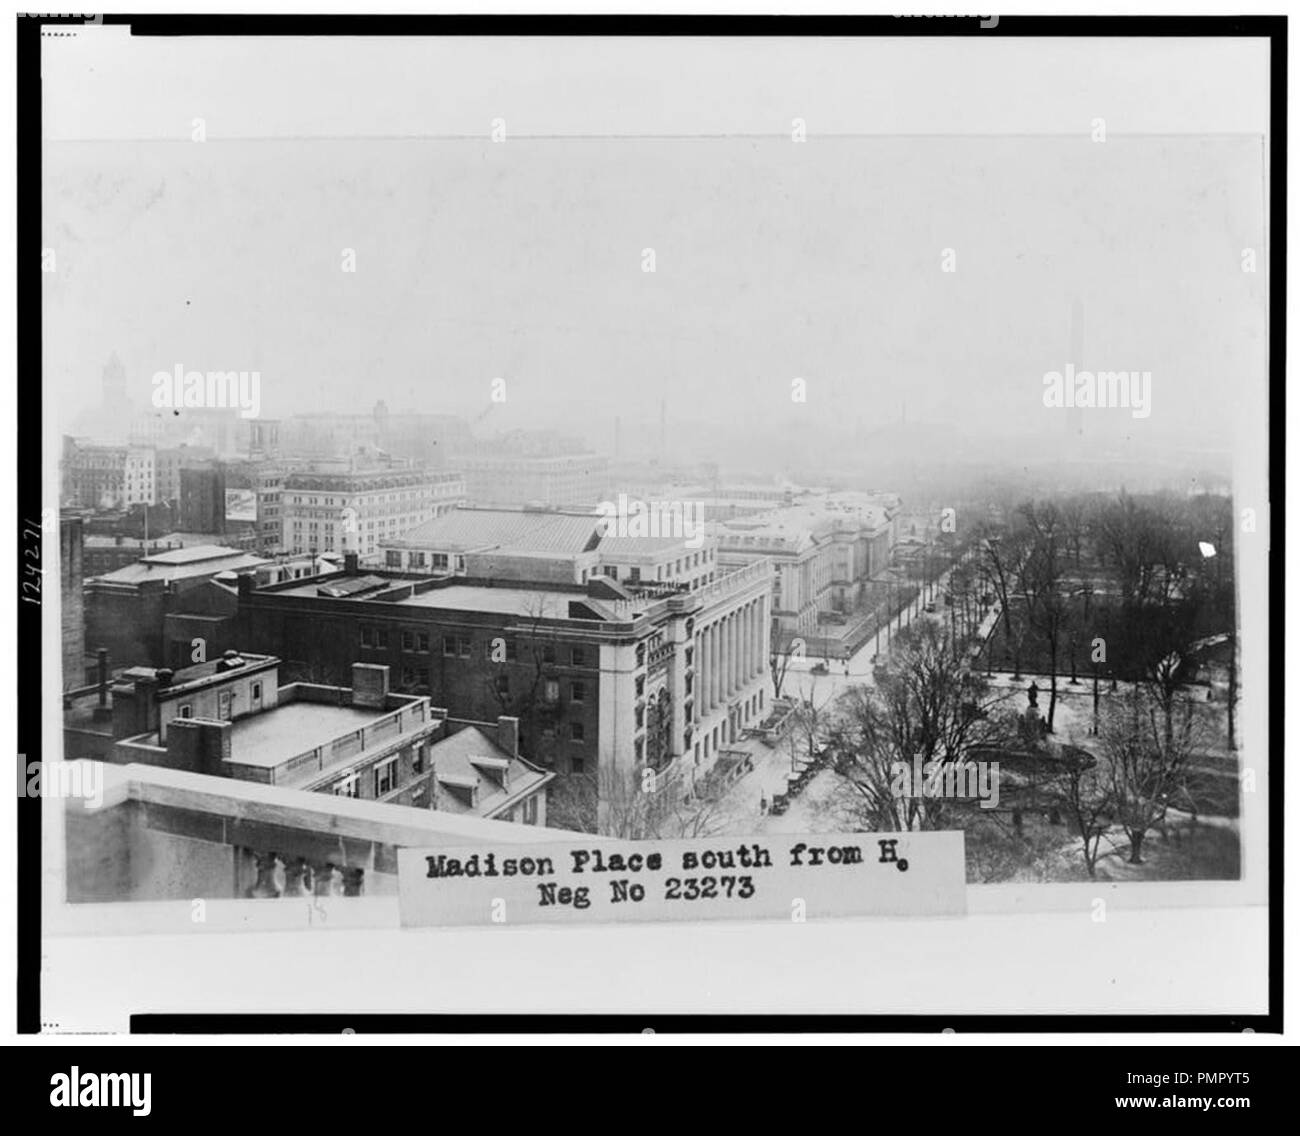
530 601
272 737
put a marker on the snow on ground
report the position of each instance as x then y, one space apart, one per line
1188 848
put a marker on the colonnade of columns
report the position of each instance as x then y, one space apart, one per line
728 654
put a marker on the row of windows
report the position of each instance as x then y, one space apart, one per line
364 499
383 776
462 646
417 559
418 678
577 732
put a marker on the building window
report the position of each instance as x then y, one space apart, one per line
393 559
376 637
577 731
640 685
503 684
551 692
449 646
640 654
385 777
640 717
548 654
440 560
187 710
578 692
415 641
530 810
579 656
418 758
257 691
465 646
577 764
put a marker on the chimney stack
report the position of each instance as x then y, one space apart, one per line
508 735
101 663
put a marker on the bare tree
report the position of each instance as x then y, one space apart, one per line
1074 512
1137 540
1083 790
521 691
808 724
1047 603
634 804
1005 551
1147 762
927 705
779 663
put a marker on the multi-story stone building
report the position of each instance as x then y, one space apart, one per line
127 610
606 677
168 463
97 476
517 544
556 480
231 718
340 508
825 552
543 545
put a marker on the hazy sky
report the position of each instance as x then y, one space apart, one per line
774 260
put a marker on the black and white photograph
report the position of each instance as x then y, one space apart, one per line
653 485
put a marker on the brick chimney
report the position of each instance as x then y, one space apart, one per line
135 702
508 735
370 685
197 745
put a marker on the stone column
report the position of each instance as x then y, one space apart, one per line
700 675
729 654
744 645
715 671
720 687
735 650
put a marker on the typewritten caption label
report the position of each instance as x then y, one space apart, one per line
579 880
